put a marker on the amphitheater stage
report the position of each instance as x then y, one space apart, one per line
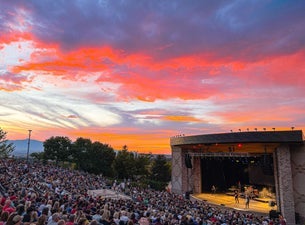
261 206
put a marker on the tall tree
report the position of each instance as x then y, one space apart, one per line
80 149
57 148
160 170
5 148
142 163
100 157
124 164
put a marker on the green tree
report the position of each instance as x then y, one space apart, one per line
141 165
80 151
160 172
100 158
57 149
160 169
5 148
124 164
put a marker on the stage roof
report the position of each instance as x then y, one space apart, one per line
289 137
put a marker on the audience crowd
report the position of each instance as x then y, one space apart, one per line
40 194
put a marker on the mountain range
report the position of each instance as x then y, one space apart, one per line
21 147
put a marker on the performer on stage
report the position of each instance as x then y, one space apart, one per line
247 201
236 196
213 189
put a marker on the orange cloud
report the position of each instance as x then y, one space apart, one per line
287 70
140 76
7 38
181 118
144 78
67 65
256 117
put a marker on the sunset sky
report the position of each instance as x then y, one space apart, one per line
135 73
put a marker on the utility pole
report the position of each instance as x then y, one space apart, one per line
29 140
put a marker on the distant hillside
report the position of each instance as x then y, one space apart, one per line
21 146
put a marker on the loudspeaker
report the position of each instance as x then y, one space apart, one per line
188 161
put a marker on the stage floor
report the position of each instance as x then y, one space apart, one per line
229 201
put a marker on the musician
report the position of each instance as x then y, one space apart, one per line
213 189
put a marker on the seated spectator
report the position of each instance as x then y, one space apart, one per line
53 220
8 206
71 220
144 220
3 217
42 220
14 219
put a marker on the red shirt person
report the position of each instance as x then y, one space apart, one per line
8 207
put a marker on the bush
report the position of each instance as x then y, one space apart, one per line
157 185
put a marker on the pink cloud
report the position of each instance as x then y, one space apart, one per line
13 82
144 79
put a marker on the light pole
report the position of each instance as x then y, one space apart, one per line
29 140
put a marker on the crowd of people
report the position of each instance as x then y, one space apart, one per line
43 194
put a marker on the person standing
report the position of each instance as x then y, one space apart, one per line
282 220
213 189
236 196
247 201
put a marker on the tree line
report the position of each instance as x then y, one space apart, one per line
99 158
